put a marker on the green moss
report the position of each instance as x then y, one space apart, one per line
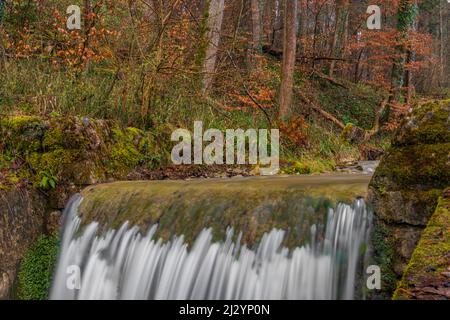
54 164
21 134
3 187
407 185
70 150
297 168
13 179
36 269
416 164
430 258
19 122
430 125
124 153
53 138
347 132
433 106
130 149
309 166
384 250
253 206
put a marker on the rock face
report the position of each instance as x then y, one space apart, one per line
43 162
59 154
21 221
406 186
428 273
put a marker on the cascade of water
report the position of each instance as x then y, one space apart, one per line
125 264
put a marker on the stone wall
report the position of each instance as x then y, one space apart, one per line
22 219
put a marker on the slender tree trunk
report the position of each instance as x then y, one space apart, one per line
278 30
446 43
256 25
408 78
407 15
303 23
289 52
339 30
88 20
254 45
214 27
268 20
2 48
441 43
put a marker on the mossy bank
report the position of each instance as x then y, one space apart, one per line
57 151
406 186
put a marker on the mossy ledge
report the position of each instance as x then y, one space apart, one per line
427 274
251 206
405 188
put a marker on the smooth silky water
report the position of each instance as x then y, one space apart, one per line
293 238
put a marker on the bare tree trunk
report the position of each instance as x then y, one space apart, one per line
268 20
256 25
407 15
88 26
408 78
254 45
2 48
338 36
441 43
214 27
303 25
289 52
278 30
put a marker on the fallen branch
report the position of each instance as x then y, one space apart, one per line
330 79
279 54
323 113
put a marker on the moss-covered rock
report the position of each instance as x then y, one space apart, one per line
428 123
21 134
129 149
352 134
427 274
406 186
62 152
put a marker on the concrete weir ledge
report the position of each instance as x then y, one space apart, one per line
253 205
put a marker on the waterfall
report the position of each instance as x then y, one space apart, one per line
126 264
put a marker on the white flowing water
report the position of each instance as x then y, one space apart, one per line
125 264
